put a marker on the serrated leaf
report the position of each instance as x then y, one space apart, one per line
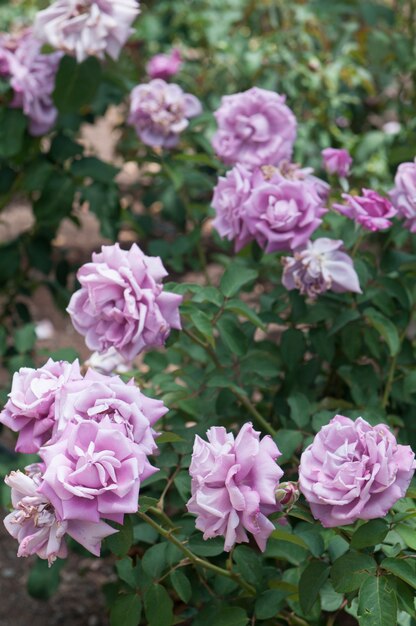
76 83
231 616
125 571
311 581
402 569
126 611
158 606
120 542
208 547
154 560
181 585
235 277
385 328
350 570
377 602
269 603
94 168
285 535
241 308
408 534
232 336
343 319
203 323
369 534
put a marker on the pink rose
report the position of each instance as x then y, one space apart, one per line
320 267
370 210
337 161
30 410
85 28
160 112
403 194
33 522
121 302
233 485
255 128
164 65
354 471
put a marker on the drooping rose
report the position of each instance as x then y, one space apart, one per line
33 522
255 128
371 211
121 302
164 65
337 161
32 78
354 471
30 409
320 267
83 28
403 194
233 485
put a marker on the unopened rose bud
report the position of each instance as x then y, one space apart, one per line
287 494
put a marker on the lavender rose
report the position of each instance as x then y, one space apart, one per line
30 410
255 128
121 302
164 65
403 195
233 485
160 112
370 210
354 471
337 161
320 267
283 216
85 28
32 78
93 471
35 525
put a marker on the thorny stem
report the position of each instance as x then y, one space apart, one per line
193 558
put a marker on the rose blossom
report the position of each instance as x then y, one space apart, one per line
35 525
320 267
233 485
370 210
164 65
403 195
255 128
160 111
121 302
98 397
93 471
30 410
85 28
354 471
337 161
283 216
32 78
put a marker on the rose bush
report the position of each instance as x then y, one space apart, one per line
291 300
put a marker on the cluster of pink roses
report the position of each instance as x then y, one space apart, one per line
94 434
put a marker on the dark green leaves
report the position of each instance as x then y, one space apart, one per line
55 202
12 128
377 604
158 606
235 277
310 583
350 570
385 328
369 534
126 611
76 83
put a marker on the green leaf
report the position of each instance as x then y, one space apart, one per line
203 323
64 148
209 547
127 611
232 336
248 564
235 277
120 542
293 347
12 130
169 437
350 570
343 319
76 83
300 408
385 328
312 579
408 534
3 340
55 202
25 338
285 535
181 585
402 569
369 534
269 603
145 503
241 308
377 602
154 560
288 442
9 260
231 616
158 606
94 168
43 580
125 571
